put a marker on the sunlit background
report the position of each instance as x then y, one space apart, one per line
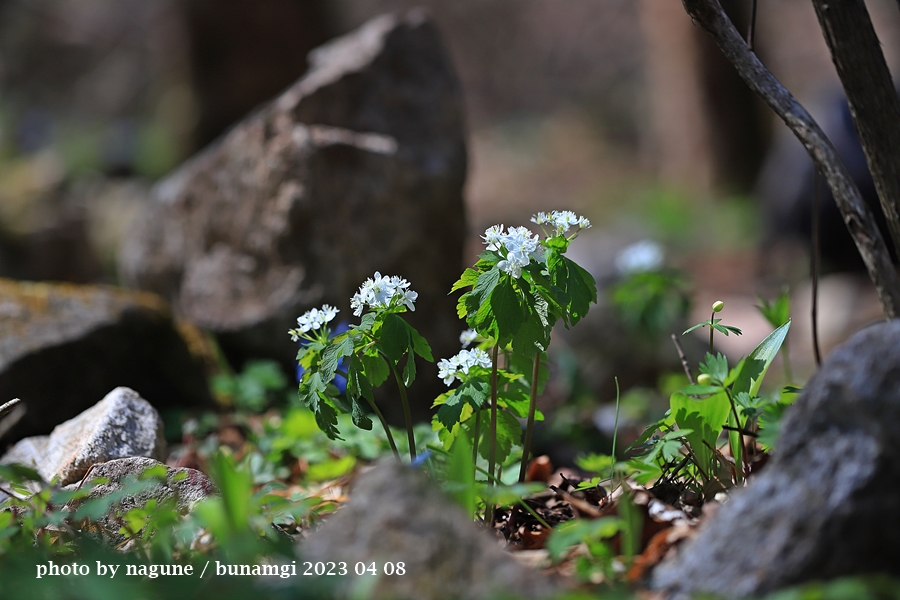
621 110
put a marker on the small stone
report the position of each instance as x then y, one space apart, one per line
395 515
121 425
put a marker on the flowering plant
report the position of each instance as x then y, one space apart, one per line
372 351
519 288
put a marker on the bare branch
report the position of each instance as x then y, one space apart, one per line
870 92
857 215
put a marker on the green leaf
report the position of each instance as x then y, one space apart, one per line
725 329
581 288
358 384
394 337
461 474
699 325
359 416
483 289
715 366
376 369
757 363
467 279
777 312
509 433
507 309
705 419
409 370
339 347
577 531
419 344
312 394
701 390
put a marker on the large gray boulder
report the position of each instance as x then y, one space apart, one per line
827 505
121 425
395 515
357 167
63 346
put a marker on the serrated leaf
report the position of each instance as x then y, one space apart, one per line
358 384
715 366
339 347
366 322
509 433
483 289
468 278
507 309
705 419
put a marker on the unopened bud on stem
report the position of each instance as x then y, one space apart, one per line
717 306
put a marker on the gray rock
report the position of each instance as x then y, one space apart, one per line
185 486
121 425
63 346
357 167
827 505
396 515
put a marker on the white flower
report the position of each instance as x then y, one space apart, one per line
383 292
492 237
448 370
467 337
540 218
561 220
640 257
313 319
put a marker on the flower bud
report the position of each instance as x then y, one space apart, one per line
704 379
717 306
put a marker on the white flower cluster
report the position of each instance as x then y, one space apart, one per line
518 245
313 319
467 337
448 370
381 292
561 220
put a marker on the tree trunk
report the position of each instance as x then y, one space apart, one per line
857 216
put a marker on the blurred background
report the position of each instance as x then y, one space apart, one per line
621 110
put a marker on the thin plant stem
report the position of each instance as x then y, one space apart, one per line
476 435
615 431
529 424
407 416
387 429
711 330
492 448
740 437
378 413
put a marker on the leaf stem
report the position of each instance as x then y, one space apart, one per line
529 425
492 448
739 447
407 416
384 424
711 330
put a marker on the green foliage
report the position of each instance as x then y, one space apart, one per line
256 388
651 301
41 522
